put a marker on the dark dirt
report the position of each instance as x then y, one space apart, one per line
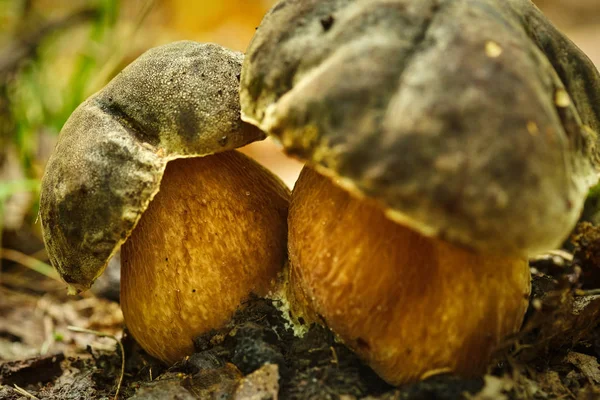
256 357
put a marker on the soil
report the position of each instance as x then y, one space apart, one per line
257 357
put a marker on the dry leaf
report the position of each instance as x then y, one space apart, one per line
588 365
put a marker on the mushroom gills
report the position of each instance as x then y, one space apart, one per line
214 234
409 305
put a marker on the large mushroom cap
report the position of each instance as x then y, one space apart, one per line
474 121
178 100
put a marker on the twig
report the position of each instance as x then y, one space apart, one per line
561 253
24 392
334 356
108 335
29 262
49 333
590 292
553 253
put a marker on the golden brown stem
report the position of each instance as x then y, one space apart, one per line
411 306
214 234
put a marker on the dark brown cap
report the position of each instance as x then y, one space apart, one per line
473 121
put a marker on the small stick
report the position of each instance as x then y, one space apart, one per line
49 332
29 262
561 253
334 356
553 253
590 292
25 393
102 334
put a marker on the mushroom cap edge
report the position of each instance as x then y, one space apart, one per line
175 101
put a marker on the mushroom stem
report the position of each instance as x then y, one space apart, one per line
214 234
410 305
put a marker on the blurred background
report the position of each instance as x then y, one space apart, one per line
56 53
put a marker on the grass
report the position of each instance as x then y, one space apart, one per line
50 84
68 58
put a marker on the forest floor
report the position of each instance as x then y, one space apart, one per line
555 356
256 357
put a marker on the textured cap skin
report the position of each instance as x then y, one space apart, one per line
470 120
174 101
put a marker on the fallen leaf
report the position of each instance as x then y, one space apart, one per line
262 384
588 365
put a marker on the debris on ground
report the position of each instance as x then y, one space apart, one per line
256 356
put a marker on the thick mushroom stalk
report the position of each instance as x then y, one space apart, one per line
215 231
409 305
454 139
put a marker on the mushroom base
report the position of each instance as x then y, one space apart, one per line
214 234
409 305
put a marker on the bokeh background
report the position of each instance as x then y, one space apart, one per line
55 53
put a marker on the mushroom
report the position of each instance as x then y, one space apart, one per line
445 142
148 162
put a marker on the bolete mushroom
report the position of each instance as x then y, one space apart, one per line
445 141
149 162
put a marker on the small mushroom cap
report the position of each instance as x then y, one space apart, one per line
473 121
175 101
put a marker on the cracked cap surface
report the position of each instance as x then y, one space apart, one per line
473 121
